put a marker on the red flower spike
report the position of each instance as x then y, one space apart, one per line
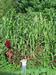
8 44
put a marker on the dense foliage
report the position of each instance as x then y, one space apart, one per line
30 25
34 5
24 6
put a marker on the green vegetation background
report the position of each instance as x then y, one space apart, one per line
31 27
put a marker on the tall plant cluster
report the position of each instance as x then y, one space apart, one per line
31 34
30 27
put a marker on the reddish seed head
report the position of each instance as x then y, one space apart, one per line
8 44
9 54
